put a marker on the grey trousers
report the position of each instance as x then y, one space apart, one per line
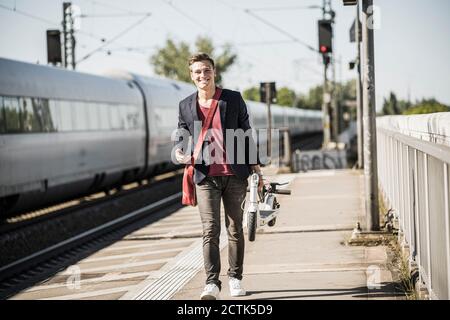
232 190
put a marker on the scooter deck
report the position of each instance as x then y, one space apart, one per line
266 215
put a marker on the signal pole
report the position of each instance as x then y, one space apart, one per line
268 93
326 36
333 94
369 121
329 103
325 105
369 113
269 120
359 105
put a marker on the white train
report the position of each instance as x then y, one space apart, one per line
64 134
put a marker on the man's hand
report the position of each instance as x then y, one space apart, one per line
260 184
257 169
181 157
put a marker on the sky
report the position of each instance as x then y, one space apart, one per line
412 43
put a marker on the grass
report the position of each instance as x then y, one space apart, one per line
399 267
398 259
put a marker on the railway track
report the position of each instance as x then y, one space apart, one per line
56 251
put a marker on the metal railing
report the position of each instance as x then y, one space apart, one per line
414 180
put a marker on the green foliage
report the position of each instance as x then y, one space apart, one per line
172 60
251 94
285 97
393 106
427 106
312 100
347 91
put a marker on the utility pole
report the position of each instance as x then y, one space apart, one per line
369 113
333 94
325 105
68 35
326 48
369 121
269 120
334 104
267 94
359 105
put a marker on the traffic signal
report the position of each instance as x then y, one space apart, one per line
54 46
325 36
351 65
268 96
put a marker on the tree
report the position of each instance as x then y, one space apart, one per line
171 60
285 97
251 94
389 105
313 100
427 106
393 106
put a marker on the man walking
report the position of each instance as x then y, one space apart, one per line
222 179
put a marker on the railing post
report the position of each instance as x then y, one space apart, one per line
408 200
400 187
416 214
447 224
427 222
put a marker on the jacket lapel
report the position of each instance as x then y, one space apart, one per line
193 106
223 112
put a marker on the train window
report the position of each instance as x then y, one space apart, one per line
42 114
47 117
122 110
29 122
103 116
2 117
55 113
135 117
12 115
92 114
80 116
66 116
129 116
115 117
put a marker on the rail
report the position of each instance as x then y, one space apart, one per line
414 180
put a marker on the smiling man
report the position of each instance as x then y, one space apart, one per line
224 178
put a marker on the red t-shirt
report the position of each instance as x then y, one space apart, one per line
219 165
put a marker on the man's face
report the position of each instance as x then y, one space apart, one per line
203 73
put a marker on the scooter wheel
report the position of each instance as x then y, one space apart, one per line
251 226
272 222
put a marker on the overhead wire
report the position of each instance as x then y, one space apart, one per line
53 23
196 22
293 38
123 32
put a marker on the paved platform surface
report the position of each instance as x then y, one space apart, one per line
304 256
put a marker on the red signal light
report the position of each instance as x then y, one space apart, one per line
323 49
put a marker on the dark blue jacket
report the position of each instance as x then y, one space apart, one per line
233 115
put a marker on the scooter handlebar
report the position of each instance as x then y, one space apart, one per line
283 191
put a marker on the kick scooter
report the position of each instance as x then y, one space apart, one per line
263 208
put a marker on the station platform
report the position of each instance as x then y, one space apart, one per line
305 256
